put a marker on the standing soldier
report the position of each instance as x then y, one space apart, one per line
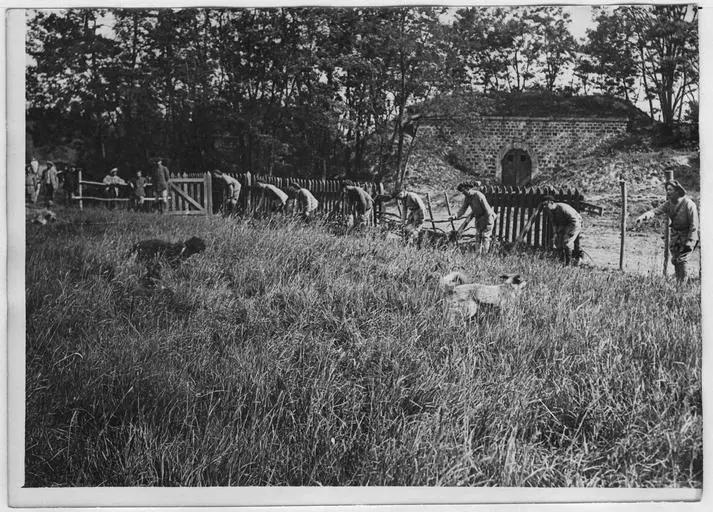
232 187
301 200
36 169
682 213
359 199
50 181
138 187
413 212
160 184
480 210
566 227
30 185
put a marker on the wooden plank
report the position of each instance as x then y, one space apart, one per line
208 191
185 197
538 221
523 210
508 214
187 180
79 175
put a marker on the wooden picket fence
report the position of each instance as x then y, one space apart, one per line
517 210
198 193
327 192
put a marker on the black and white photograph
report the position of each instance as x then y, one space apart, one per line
451 249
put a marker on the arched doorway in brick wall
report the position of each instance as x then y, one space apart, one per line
516 165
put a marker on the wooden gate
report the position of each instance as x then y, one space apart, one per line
190 194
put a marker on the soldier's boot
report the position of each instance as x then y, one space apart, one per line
681 271
484 246
567 253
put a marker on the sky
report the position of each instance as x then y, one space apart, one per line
581 19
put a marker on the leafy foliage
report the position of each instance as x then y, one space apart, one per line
322 91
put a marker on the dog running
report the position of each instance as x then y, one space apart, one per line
154 252
464 299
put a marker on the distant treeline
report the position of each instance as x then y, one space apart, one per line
321 92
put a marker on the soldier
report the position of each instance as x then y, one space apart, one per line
301 200
50 180
138 187
30 185
233 188
413 212
160 184
357 198
276 198
566 227
480 210
682 213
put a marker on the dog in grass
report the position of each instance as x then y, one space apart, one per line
153 253
464 299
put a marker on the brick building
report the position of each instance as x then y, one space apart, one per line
515 149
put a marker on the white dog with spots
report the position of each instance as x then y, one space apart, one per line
464 299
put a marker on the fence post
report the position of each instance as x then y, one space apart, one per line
208 193
622 183
430 212
249 190
450 214
667 233
79 175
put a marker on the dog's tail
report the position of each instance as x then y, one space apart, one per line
450 281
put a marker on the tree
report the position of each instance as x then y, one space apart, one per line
611 50
667 37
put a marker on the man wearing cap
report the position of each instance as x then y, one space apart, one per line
413 212
232 188
160 184
566 228
683 214
301 201
112 182
480 210
355 197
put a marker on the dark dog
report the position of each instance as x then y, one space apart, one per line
155 252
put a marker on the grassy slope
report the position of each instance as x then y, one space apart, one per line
289 356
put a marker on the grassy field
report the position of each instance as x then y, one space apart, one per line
286 355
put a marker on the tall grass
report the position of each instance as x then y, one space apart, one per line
285 355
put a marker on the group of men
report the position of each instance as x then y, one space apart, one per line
295 199
566 222
42 183
159 182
